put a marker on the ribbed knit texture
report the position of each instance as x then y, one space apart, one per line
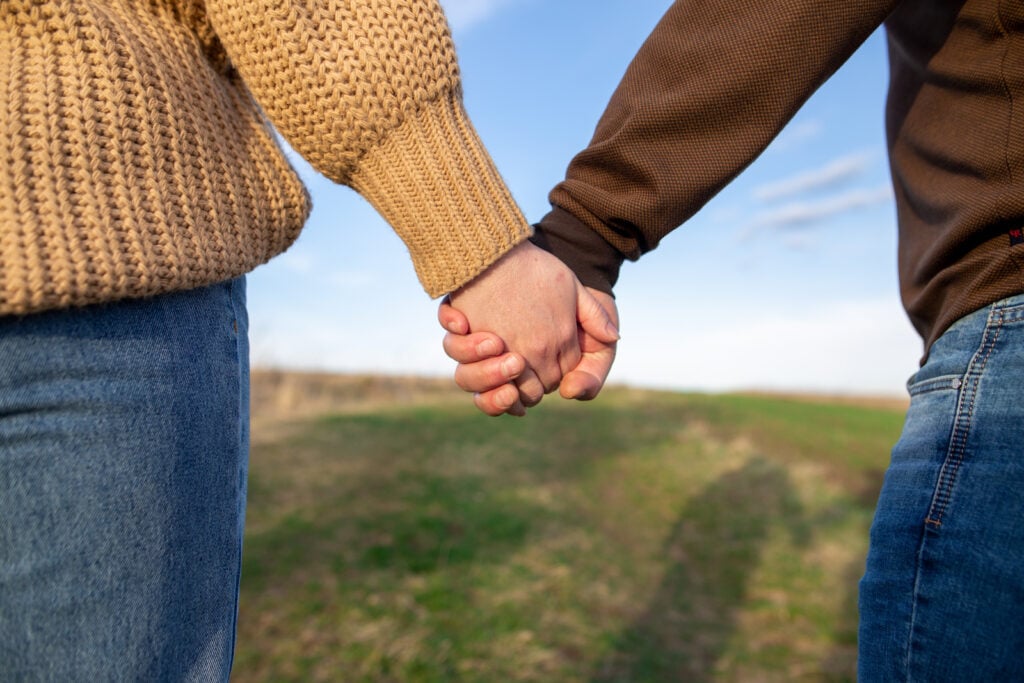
136 156
409 182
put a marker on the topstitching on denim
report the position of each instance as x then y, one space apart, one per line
942 383
240 328
1000 316
966 402
962 422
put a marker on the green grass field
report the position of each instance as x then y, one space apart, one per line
643 537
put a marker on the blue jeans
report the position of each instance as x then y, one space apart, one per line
942 598
123 462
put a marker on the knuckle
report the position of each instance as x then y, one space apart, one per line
452 346
532 396
485 407
462 380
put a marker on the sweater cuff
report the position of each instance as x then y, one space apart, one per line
432 179
595 262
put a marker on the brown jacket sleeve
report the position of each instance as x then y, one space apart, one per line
709 89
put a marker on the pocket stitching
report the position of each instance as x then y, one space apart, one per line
962 423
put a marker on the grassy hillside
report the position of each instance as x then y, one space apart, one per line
643 537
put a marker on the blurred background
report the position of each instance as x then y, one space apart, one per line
785 281
395 535
711 532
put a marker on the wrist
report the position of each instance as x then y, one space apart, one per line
594 261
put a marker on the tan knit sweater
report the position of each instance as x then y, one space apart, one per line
136 156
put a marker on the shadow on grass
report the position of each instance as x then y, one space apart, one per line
431 487
713 549
444 523
391 533
435 545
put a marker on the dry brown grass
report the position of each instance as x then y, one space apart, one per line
396 535
290 394
282 400
287 393
859 400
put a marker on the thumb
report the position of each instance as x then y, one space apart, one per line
592 317
451 318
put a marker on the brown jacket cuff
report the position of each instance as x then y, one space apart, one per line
594 261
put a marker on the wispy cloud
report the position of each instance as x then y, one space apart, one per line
463 14
800 241
797 133
803 213
831 174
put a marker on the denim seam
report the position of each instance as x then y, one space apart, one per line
954 459
1012 313
233 297
962 422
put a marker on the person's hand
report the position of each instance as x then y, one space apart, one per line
534 304
585 381
486 369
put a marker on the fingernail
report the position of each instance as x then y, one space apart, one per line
508 398
613 331
453 327
487 347
511 366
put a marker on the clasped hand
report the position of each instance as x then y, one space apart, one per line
526 327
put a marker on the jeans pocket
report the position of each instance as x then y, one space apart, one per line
918 387
925 447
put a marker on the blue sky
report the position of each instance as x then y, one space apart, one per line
785 281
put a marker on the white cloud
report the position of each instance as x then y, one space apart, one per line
800 241
370 333
803 213
463 14
833 173
857 347
847 347
796 133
